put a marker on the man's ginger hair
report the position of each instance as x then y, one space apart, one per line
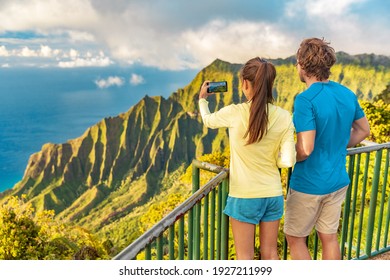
316 57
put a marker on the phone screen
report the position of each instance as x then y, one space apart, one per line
217 87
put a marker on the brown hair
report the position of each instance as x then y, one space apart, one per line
316 57
261 74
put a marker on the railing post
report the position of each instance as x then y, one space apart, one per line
148 252
212 225
388 200
382 204
362 204
172 242
196 242
197 213
347 207
219 221
285 245
373 200
181 238
190 233
195 178
195 187
160 247
206 227
224 222
354 192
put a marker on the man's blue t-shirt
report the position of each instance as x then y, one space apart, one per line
330 109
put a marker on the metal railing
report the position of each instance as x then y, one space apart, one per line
178 235
366 217
197 228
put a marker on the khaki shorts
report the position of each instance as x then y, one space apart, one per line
304 211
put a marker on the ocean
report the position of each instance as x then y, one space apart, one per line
42 105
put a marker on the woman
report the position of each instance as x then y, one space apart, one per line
261 141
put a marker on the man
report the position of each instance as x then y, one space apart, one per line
328 119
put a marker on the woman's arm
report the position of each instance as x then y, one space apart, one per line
218 119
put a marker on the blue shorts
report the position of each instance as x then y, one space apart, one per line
255 210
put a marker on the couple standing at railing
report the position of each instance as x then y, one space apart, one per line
327 119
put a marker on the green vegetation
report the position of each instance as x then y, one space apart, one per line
378 115
26 234
122 231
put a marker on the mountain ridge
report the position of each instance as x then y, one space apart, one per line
363 59
119 164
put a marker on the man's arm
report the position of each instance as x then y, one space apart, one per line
287 154
360 130
305 144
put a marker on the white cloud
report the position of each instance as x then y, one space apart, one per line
4 51
136 79
27 52
179 36
43 51
76 59
236 41
110 81
340 23
327 8
46 51
80 36
73 54
61 58
47 14
320 8
86 62
5 65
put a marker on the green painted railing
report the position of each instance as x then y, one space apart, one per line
182 234
197 228
366 213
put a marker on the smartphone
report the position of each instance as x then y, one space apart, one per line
217 86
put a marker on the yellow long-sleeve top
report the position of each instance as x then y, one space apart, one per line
254 168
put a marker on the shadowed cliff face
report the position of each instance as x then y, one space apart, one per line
94 174
152 139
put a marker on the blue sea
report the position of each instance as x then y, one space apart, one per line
42 105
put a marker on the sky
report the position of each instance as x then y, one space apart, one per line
180 34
